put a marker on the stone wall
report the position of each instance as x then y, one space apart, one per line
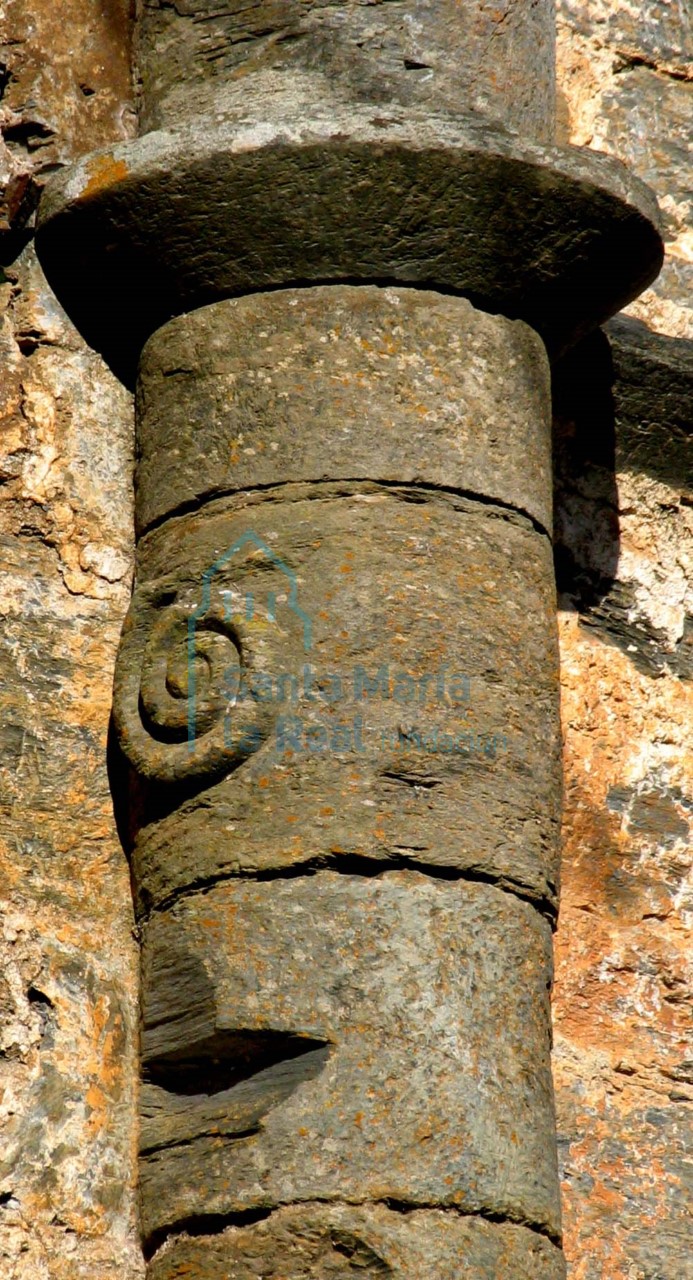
68 971
68 968
625 83
622 1066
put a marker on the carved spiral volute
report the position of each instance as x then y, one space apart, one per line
178 675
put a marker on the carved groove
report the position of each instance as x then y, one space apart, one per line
355 865
217 1224
226 1059
350 486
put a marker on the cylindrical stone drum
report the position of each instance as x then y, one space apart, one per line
449 55
338 685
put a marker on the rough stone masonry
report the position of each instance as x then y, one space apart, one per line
338 260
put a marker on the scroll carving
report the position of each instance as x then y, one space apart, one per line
178 671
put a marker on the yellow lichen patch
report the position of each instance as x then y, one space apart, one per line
104 171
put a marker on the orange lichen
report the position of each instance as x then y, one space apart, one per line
104 171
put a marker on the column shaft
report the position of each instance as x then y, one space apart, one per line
346 863
497 59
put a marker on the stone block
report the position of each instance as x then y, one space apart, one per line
420 726
557 236
393 385
347 1038
452 55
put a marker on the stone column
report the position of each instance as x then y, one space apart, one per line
337 689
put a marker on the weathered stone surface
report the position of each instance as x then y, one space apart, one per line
460 772
666 307
67 1051
622 1002
397 385
254 699
318 1242
653 403
623 1027
63 491
65 90
450 55
646 121
559 237
624 455
622 1062
398 987
68 1037
624 80
654 31
68 964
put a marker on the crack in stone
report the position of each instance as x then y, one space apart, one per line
216 1224
361 866
627 60
351 486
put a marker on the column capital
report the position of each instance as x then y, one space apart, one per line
557 236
